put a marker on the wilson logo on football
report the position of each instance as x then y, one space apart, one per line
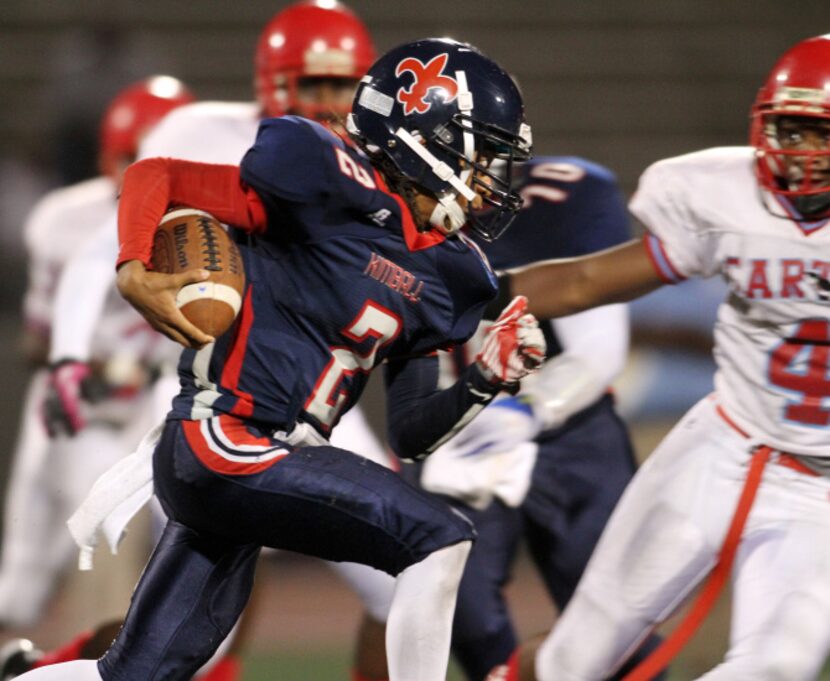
427 77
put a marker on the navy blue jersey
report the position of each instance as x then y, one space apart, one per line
339 281
571 207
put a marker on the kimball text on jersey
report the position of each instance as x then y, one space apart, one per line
395 277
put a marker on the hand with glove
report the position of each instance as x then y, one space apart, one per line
502 425
492 456
513 347
66 389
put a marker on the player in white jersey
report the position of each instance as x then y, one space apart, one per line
291 77
759 217
49 478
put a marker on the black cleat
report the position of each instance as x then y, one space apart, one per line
17 657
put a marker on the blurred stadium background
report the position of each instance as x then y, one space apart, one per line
622 82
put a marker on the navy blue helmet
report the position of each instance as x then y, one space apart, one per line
437 111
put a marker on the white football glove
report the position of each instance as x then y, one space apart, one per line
492 456
513 346
501 426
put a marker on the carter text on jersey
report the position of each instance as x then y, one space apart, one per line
395 277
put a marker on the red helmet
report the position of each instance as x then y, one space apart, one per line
312 38
132 113
798 85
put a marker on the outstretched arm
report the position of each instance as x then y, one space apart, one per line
82 289
556 288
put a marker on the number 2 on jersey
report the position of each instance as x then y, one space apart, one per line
801 364
330 393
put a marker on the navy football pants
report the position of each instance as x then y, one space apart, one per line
321 501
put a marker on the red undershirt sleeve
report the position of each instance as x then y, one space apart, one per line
151 186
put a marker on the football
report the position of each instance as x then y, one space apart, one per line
188 239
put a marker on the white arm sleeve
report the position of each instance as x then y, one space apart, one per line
37 308
82 290
594 351
43 250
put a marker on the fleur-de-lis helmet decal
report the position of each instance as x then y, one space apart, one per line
425 77
437 112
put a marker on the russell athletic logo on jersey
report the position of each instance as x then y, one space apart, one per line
427 77
395 277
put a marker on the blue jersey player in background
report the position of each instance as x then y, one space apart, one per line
353 260
548 465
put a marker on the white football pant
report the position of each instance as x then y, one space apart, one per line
665 535
48 480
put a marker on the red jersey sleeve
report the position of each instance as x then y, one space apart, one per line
151 186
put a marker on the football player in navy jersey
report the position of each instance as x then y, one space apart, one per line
549 464
309 59
352 260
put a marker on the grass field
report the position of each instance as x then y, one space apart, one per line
320 665
332 665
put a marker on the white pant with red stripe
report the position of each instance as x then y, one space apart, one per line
664 537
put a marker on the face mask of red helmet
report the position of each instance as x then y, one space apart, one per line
791 129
